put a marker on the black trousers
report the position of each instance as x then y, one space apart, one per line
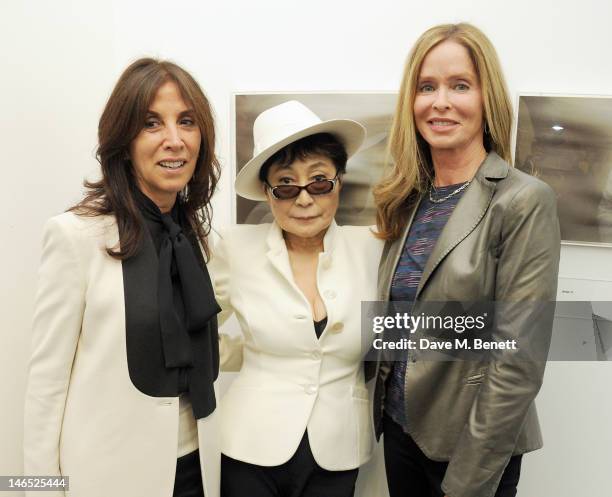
188 479
301 476
412 474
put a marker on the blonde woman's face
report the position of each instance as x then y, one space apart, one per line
448 105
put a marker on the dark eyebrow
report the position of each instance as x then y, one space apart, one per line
188 112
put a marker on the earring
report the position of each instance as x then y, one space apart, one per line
486 128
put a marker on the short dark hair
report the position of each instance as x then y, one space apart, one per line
324 144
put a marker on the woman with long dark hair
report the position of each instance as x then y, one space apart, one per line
125 354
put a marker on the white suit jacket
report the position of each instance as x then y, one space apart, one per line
83 416
291 381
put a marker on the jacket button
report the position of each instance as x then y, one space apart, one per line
330 294
337 327
310 389
299 316
316 355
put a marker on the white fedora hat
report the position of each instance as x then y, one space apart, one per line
283 124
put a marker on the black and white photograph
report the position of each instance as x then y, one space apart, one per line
566 141
364 169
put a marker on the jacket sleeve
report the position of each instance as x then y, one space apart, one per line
59 307
230 347
526 282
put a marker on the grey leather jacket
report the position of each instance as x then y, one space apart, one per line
501 243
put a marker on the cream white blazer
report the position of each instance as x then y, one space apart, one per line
291 381
83 416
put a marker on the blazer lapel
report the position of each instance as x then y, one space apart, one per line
279 259
469 212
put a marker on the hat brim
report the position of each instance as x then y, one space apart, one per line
350 133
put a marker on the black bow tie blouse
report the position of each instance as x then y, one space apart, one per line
170 311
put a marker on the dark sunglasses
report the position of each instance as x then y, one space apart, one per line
286 192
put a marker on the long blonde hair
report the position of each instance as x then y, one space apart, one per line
411 168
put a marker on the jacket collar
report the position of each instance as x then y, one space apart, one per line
279 256
493 167
468 213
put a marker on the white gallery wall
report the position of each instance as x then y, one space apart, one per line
60 59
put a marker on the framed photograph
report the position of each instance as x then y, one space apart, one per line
567 142
364 169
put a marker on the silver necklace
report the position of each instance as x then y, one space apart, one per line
445 198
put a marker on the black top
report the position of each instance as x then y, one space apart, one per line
170 312
319 326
